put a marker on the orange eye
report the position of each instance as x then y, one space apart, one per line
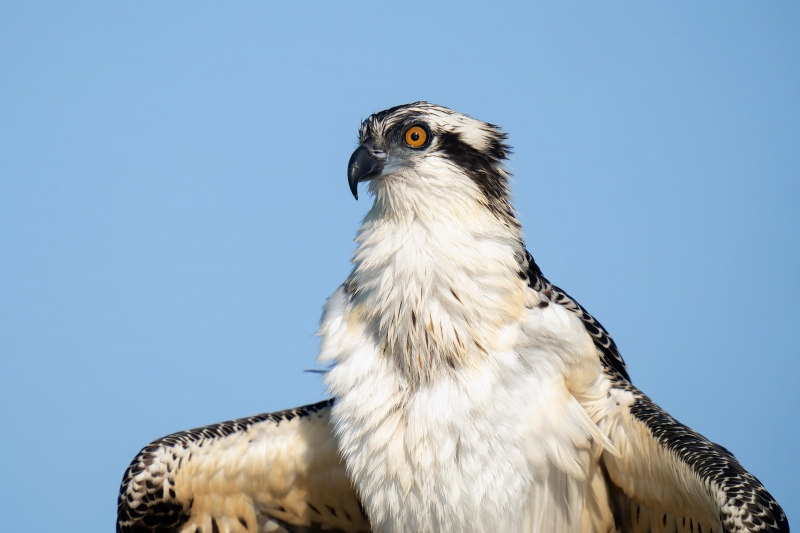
416 136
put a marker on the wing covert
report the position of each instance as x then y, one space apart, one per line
676 474
666 477
609 353
271 472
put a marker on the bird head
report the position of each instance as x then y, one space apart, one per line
423 153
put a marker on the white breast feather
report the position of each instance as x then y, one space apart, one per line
496 442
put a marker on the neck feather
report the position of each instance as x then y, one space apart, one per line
436 279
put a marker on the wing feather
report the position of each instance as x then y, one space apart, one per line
272 472
672 470
666 477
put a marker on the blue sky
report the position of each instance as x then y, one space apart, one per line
174 208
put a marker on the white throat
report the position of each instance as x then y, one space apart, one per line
435 277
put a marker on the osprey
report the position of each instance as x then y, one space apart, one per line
470 393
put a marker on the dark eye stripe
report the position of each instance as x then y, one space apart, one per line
483 168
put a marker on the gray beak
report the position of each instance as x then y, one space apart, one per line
365 163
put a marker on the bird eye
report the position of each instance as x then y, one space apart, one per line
416 136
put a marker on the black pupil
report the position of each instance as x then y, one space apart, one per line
415 136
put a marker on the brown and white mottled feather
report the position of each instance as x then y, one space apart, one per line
667 477
272 472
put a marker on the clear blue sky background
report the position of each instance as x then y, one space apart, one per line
174 208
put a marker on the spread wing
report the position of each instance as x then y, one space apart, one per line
666 477
276 472
669 474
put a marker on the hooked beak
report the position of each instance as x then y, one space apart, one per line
365 163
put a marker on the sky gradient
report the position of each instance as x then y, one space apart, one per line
174 208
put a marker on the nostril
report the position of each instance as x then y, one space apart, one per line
378 154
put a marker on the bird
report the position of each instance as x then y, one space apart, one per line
468 392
